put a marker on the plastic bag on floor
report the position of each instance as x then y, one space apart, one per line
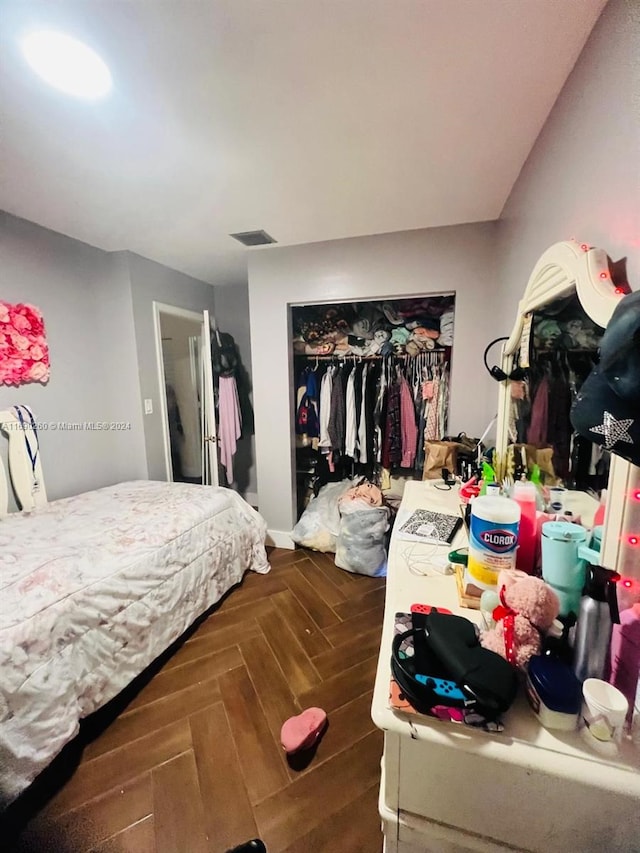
319 524
360 546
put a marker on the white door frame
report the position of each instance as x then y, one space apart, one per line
209 429
185 314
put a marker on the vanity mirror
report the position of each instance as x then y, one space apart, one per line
571 289
562 351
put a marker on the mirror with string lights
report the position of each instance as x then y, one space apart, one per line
563 349
570 297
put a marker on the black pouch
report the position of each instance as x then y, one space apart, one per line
460 673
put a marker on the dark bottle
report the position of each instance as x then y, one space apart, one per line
556 640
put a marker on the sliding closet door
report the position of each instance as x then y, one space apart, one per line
209 434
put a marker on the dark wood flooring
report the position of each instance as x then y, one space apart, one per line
188 759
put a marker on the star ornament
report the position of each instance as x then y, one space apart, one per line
614 430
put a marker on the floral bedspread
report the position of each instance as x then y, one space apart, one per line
92 589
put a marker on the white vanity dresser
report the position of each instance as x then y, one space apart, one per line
447 788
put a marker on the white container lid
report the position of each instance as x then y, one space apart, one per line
497 509
524 489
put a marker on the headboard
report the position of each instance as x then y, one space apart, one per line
25 467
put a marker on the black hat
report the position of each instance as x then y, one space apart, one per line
607 408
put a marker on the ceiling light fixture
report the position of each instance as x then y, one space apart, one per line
67 64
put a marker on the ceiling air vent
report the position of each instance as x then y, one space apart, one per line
253 238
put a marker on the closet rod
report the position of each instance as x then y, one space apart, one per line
353 357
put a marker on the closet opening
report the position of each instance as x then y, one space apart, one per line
186 394
370 385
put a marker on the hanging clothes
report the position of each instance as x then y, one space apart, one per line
537 432
379 414
351 430
230 423
371 415
363 455
337 416
392 440
431 391
325 408
559 427
408 425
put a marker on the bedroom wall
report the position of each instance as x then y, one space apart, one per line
151 282
97 308
232 316
85 297
582 178
459 258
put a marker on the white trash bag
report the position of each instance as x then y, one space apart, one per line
360 546
319 524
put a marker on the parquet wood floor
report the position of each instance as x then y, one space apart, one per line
188 759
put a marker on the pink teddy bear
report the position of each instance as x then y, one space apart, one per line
527 612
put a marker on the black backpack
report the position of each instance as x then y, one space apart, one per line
224 354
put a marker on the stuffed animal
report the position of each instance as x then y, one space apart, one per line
526 613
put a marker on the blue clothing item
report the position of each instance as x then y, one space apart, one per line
307 420
312 385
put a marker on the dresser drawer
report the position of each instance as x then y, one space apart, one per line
418 835
511 804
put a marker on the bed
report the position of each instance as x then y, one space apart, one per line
93 588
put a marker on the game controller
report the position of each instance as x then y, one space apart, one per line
425 609
443 688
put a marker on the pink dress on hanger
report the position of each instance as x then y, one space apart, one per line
230 426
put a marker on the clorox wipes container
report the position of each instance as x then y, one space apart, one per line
493 538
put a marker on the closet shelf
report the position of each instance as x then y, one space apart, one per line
356 358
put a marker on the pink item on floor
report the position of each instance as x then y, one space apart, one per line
302 731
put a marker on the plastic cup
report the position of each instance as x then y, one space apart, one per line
603 711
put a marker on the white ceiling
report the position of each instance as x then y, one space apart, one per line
312 119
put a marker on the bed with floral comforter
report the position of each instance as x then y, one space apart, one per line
92 589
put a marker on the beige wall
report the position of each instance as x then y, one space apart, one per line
151 282
85 298
459 259
582 178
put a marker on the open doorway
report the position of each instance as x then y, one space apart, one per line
180 339
185 376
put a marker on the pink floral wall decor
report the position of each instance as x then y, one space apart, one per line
24 354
